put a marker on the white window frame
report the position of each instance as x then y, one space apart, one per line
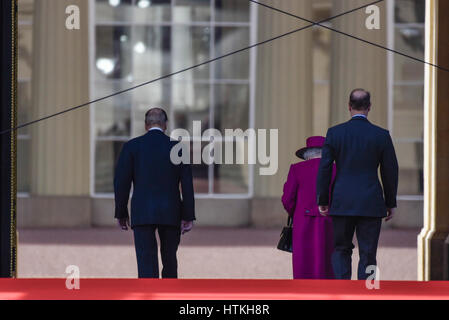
391 32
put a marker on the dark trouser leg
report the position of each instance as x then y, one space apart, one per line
367 231
146 251
170 237
344 228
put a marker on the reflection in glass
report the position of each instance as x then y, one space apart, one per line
191 10
113 115
106 156
231 178
231 106
410 158
228 39
151 52
232 11
409 41
113 52
190 46
191 102
410 11
113 10
152 10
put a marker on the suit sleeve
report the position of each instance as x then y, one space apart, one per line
188 195
122 182
325 173
389 173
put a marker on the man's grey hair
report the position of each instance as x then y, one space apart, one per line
155 117
312 153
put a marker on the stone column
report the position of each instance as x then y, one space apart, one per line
283 98
353 62
60 146
433 250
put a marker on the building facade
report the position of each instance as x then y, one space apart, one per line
298 84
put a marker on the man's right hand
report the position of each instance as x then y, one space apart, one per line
186 226
391 213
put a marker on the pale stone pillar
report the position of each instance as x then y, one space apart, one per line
356 64
284 86
433 251
60 146
283 97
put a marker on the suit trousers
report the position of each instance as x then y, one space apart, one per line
367 230
146 250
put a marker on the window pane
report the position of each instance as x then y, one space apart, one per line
410 11
231 106
106 156
231 178
113 115
409 97
232 10
410 157
152 10
200 171
191 10
113 52
190 46
23 165
113 10
408 112
409 41
151 52
191 102
228 39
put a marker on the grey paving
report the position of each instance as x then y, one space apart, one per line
204 253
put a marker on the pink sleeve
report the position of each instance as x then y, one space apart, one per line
290 192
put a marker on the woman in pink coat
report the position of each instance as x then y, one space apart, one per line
312 232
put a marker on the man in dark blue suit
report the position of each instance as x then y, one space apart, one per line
358 203
156 203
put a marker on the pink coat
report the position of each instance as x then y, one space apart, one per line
312 233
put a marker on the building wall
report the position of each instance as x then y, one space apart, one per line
301 87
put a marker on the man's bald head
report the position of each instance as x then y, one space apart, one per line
156 117
360 100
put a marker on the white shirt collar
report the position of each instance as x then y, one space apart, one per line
156 128
360 115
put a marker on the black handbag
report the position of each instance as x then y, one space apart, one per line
286 240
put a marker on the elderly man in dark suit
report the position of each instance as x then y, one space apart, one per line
156 202
358 203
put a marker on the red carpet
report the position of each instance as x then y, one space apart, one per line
43 289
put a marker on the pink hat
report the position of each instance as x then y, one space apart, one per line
312 142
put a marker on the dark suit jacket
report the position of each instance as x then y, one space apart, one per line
145 163
358 149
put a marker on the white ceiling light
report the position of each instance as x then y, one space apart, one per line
144 4
139 47
114 3
106 65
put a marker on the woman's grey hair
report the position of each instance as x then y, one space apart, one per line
312 153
